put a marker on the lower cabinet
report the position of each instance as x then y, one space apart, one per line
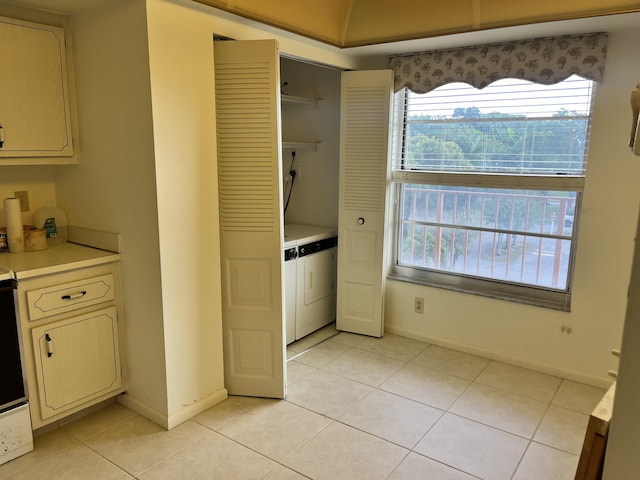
71 331
76 360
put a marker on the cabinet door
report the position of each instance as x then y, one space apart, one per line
34 103
365 111
76 360
319 282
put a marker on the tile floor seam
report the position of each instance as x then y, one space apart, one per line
277 462
320 341
330 421
459 396
215 429
489 361
450 466
66 428
490 426
554 448
337 420
442 413
119 467
540 422
172 455
382 354
427 404
515 470
358 381
430 369
353 380
398 465
510 392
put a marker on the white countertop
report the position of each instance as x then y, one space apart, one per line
54 259
295 234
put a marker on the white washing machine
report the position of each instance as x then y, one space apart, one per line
310 270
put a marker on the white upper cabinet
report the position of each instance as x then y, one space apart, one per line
34 96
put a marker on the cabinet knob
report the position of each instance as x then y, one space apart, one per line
360 221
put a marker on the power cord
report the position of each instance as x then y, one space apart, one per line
292 175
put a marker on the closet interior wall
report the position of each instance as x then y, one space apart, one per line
314 200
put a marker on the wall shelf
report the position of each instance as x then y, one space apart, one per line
294 99
301 145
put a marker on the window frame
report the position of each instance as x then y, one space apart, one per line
559 299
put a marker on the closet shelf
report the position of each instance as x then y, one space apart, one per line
301 145
293 99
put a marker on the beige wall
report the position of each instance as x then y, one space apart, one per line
314 200
532 336
113 188
181 60
38 182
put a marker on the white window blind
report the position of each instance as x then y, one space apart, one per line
509 127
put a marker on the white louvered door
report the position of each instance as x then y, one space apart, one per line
364 145
247 83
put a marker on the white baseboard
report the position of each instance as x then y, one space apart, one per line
177 418
602 382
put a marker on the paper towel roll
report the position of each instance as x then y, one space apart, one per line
13 217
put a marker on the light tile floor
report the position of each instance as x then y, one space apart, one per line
357 408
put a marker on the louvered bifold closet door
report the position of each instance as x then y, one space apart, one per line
250 178
364 171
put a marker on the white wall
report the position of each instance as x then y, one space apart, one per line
314 200
532 336
622 461
38 182
113 188
181 60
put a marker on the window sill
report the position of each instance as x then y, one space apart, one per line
527 295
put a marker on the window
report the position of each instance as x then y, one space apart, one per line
488 186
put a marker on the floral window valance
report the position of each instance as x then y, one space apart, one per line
545 61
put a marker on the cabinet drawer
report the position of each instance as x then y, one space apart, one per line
48 301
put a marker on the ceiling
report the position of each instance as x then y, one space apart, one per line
352 23
380 23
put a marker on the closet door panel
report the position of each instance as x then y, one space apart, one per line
364 171
250 178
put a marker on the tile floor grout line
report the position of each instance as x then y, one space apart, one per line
472 381
573 401
449 466
524 453
321 341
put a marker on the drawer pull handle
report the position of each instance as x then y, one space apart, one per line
49 345
74 296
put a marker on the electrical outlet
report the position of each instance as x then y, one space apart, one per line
419 305
23 196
